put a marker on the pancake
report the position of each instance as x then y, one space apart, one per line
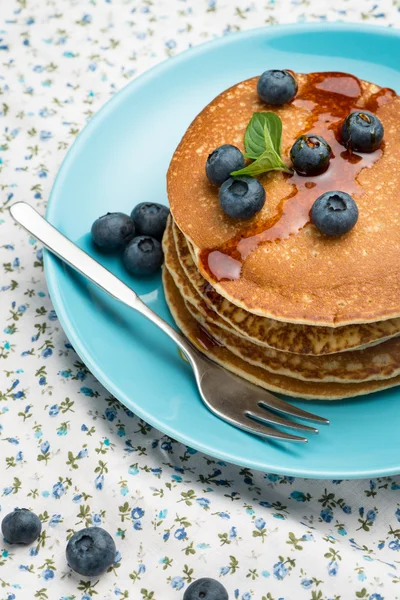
378 362
288 271
276 383
299 339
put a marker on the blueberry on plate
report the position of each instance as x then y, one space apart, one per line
362 131
241 197
90 551
276 87
21 526
143 255
112 231
310 154
222 162
206 589
334 213
150 218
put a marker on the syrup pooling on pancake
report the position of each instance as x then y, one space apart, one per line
329 97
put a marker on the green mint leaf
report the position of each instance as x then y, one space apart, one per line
262 141
268 161
254 138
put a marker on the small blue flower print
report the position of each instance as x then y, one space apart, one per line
48 574
58 490
299 496
333 568
397 514
280 570
326 515
45 135
166 536
232 533
45 447
177 583
224 515
99 482
110 413
347 509
180 533
55 520
394 545
259 523
137 513
306 583
371 515
224 570
137 525
163 514
203 502
83 453
376 597
96 519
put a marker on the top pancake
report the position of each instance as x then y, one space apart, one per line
305 277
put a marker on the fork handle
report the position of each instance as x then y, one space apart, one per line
70 253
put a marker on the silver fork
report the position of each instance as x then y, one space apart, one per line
240 403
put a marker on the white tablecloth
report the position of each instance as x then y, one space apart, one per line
72 453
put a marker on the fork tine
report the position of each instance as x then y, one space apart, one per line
257 428
270 401
265 416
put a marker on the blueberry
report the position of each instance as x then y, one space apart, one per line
362 131
206 589
310 154
21 526
241 197
90 551
150 218
222 162
334 213
143 255
113 230
276 87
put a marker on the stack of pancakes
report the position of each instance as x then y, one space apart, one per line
304 314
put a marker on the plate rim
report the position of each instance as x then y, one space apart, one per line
51 263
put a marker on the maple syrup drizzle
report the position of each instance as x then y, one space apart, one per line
205 339
329 98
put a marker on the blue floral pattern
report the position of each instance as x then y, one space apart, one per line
71 452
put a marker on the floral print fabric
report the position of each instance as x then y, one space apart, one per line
70 451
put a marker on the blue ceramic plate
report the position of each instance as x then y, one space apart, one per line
120 159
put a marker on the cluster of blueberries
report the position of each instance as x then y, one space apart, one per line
242 197
91 551
138 236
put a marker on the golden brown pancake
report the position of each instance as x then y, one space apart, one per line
377 362
276 383
287 337
291 272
